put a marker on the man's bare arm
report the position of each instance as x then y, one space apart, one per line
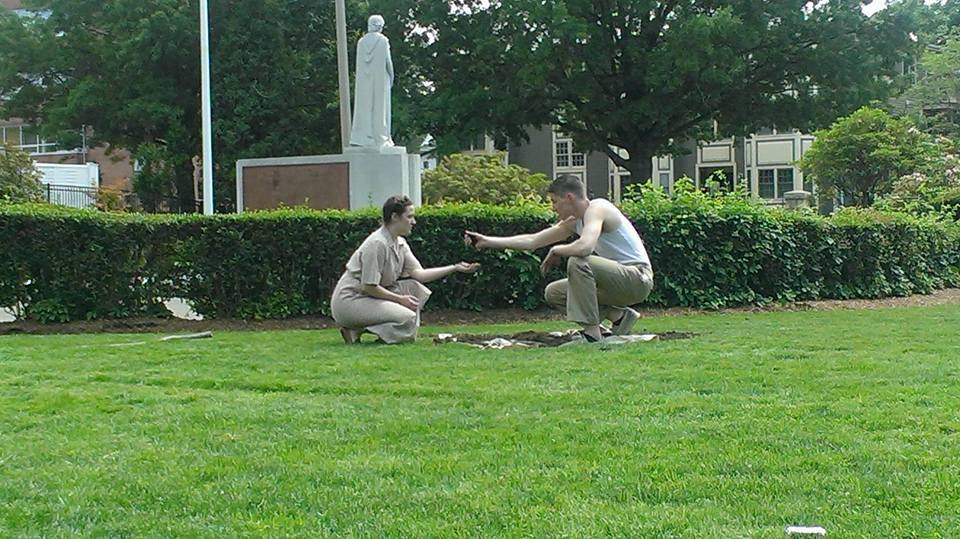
587 242
523 242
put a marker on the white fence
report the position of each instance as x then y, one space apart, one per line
70 185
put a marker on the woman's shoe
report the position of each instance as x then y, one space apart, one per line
350 336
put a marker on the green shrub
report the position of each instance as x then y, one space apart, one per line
62 263
19 179
932 192
155 179
481 178
708 252
861 156
948 202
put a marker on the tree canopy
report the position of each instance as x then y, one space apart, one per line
640 75
647 75
130 70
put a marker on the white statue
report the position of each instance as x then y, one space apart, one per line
371 106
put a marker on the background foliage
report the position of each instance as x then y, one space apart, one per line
19 179
481 178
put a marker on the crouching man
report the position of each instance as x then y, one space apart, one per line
608 269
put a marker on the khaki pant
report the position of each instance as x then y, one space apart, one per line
386 319
593 283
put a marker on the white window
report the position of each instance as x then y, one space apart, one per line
566 158
773 183
561 157
665 182
26 138
577 159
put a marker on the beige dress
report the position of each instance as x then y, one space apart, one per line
380 260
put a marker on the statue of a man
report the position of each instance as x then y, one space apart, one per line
371 106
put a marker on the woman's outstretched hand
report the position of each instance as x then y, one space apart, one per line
467 267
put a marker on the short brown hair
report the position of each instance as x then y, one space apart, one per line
567 183
395 204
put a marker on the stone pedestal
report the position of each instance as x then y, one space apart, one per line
378 175
358 178
797 199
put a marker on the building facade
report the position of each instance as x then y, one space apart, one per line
765 163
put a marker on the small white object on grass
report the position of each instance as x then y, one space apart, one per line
499 343
806 530
180 308
625 339
201 335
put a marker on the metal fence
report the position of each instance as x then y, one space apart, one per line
70 195
86 197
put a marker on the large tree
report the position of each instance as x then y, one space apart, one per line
936 20
933 93
934 99
646 75
130 70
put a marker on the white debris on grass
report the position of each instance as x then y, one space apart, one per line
574 336
806 530
201 335
180 308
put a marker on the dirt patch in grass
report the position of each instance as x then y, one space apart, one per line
547 339
177 325
441 317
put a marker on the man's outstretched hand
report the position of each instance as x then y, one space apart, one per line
475 240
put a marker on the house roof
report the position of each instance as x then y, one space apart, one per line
10 4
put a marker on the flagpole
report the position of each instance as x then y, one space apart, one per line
207 130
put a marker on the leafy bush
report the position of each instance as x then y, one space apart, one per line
109 199
19 179
935 191
481 178
707 252
860 156
155 179
948 202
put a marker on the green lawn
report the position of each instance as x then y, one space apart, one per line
844 419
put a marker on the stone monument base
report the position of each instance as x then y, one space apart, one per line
358 178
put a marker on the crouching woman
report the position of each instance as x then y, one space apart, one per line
381 291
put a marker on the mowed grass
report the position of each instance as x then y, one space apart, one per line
844 419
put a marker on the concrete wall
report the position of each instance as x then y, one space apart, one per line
598 175
535 154
686 164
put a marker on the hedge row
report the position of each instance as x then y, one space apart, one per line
59 264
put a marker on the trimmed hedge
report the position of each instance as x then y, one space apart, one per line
59 264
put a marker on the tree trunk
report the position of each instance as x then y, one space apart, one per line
640 166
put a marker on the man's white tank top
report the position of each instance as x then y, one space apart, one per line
622 244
